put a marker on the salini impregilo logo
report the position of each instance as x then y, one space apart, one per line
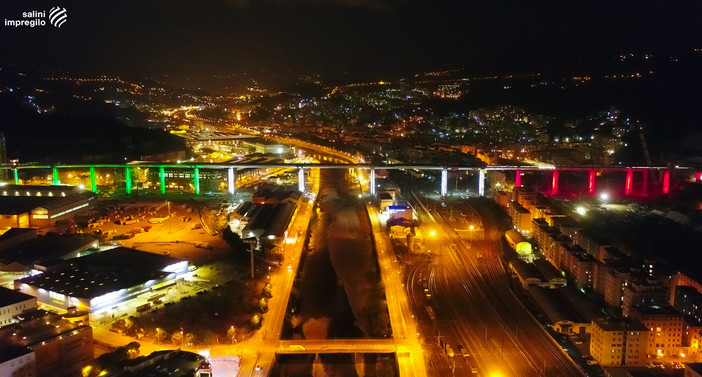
56 17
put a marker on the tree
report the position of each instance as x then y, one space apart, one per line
190 338
161 335
177 338
233 240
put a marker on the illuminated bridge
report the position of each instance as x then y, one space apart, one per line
195 172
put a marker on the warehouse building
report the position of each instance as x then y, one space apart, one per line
41 206
99 282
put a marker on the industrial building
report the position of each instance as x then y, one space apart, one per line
519 244
568 310
162 363
24 256
101 281
267 218
41 343
259 145
13 303
14 236
41 206
527 274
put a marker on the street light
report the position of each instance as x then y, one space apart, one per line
471 227
604 197
432 234
232 331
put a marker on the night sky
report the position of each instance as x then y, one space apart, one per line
357 38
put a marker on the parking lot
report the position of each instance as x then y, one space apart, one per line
172 229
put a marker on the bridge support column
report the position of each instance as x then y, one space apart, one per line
231 180
444 182
698 176
16 176
591 181
127 180
196 180
93 183
518 178
372 181
644 183
54 176
481 182
666 182
162 179
301 179
554 183
629 182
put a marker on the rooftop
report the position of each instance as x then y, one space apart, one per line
11 351
14 232
11 204
164 363
10 297
101 273
38 326
45 248
697 367
656 310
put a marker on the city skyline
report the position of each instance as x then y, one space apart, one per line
344 39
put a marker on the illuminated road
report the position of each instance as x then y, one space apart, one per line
259 351
474 307
410 355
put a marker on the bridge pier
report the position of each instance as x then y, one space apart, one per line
481 182
698 176
16 176
666 182
162 179
196 180
554 183
372 181
54 176
628 183
93 183
644 182
127 180
591 181
231 181
518 178
444 182
301 179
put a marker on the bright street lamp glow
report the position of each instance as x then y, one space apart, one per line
604 196
581 210
432 233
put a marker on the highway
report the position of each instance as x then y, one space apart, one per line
475 307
